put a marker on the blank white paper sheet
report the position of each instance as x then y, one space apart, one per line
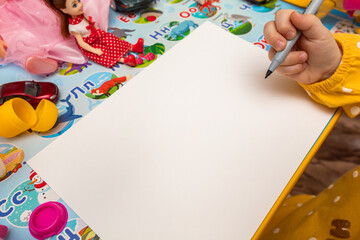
197 146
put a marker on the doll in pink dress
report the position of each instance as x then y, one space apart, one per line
30 35
102 47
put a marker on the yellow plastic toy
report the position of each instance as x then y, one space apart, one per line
349 6
17 116
324 9
47 114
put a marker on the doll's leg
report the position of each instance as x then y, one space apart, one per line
138 47
41 66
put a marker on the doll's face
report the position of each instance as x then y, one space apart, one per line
73 7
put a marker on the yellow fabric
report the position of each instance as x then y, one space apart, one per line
332 215
342 89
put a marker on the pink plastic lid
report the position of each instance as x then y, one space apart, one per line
47 220
3 231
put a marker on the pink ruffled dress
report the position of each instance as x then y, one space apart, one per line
30 28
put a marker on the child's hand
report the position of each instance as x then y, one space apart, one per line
3 48
98 51
315 56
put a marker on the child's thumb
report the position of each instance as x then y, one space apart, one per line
309 24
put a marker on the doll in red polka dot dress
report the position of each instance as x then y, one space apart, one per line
102 47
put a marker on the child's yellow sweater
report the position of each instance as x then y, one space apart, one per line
343 88
335 213
332 215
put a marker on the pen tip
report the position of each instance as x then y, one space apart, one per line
268 73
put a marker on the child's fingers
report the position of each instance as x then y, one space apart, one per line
291 70
293 58
310 25
284 25
273 37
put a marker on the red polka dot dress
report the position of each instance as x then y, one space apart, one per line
113 47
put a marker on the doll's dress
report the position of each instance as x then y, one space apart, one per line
113 47
30 28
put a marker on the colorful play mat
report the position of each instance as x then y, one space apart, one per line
83 87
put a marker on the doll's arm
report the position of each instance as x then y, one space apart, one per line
86 46
3 48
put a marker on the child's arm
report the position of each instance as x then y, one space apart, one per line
342 89
86 46
327 66
3 48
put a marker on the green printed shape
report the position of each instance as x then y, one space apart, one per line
141 20
157 48
241 30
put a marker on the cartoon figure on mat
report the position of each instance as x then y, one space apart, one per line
71 68
45 193
69 115
151 14
121 33
182 28
11 158
88 234
102 47
106 86
208 4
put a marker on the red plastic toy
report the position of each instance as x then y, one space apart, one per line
31 91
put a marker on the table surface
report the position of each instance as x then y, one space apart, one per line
17 198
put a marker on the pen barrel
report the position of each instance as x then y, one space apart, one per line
313 6
281 55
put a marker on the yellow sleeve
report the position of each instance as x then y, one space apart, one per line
342 89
